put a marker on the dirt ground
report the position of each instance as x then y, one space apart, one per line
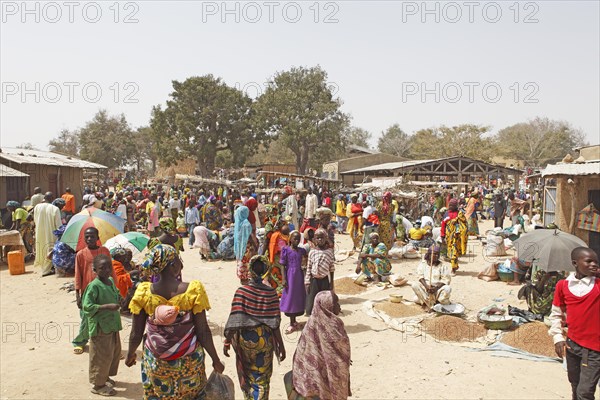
39 321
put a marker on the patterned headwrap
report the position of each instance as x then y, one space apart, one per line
118 251
265 260
386 202
167 225
158 258
374 235
13 203
60 202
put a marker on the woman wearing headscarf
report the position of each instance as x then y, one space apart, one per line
21 223
340 213
374 261
354 212
173 356
252 205
454 234
321 365
471 215
245 243
279 239
253 330
212 214
385 212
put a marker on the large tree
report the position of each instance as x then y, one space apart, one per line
395 141
462 140
143 148
66 142
298 108
203 117
539 141
357 136
106 140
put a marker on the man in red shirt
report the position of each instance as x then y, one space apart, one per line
577 302
84 274
69 208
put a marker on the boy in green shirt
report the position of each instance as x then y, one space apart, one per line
101 306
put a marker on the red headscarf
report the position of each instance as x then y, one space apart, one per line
252 205
386 202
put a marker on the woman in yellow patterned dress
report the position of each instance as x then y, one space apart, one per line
385 212
253 330
173 357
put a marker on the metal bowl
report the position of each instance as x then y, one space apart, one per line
449 309
497 322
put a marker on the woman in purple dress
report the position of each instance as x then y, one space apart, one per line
293 298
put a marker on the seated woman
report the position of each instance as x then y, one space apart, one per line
374 261
173 356
225 247
539 293
437 290
323 343
62 255
253 330
419 237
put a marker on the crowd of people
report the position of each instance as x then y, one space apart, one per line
284 247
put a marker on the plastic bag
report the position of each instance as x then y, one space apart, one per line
219 387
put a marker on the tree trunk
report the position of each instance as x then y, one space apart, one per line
206 163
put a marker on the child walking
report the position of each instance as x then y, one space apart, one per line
577 302
293 298
101 306
84 275
320 269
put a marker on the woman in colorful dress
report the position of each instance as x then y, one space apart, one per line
245 243
213 215
454 234
471 215
277 242
253 330
173 356
385 212
354 212
293 297
374 261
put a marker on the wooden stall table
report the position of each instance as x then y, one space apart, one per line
12 239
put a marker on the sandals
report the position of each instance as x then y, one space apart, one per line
105 390
292 328
111 382
78 350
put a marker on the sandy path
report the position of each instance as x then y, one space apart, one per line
38 321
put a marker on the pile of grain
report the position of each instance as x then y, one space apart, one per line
347 286
399 310
453 329
532 337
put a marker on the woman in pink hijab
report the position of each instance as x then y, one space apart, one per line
321 366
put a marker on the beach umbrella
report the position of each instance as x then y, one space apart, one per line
134 241
549 249
108 225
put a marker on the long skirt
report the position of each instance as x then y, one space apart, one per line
473 226
386 233
243 271
254 360
275 279
181 379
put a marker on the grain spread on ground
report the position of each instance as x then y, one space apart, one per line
399 310
532 338
347 286
453 329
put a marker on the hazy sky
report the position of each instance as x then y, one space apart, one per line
413 63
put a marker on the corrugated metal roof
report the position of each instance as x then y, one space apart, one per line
587 168
23 156
6 171
389 166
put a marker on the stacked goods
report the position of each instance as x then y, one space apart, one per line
347 286
532 338
399 310
453 329
495 244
